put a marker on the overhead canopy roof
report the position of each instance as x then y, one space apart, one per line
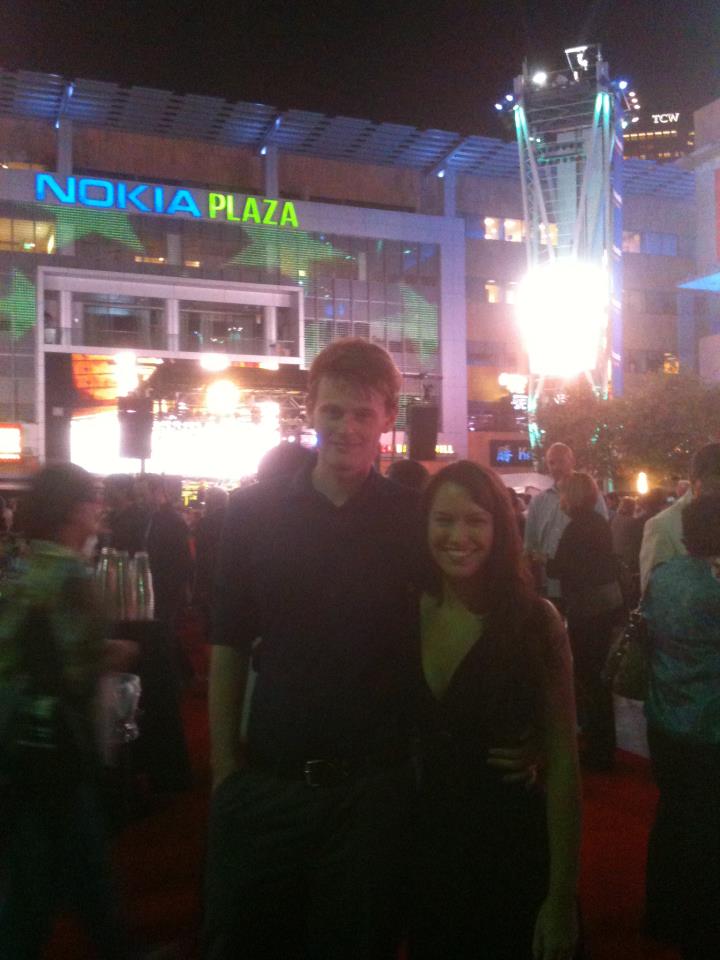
710 283
50 97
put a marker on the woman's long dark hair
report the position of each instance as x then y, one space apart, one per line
506 594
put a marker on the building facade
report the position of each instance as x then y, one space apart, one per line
171 227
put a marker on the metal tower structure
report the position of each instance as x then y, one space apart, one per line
569 133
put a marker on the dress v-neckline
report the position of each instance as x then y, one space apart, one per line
459 666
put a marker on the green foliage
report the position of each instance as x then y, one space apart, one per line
666 420
656 427
586 423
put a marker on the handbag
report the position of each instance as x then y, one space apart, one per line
627 667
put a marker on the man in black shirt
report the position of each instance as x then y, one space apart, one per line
308 826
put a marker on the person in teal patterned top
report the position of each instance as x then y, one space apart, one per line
52 653
682 609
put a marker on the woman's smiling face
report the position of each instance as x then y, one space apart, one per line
460 533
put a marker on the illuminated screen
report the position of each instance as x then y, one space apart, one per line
226 449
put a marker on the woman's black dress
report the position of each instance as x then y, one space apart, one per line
482 858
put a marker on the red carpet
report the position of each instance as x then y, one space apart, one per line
159 862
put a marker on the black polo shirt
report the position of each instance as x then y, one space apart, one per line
326 589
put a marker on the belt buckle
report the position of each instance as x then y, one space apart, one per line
323 773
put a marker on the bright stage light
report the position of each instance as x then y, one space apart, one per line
540 78
222 398
642 486
498 106
214 362
562 309
623 85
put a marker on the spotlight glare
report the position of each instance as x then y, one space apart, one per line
562 315
509 97
623 85
498 106
540 78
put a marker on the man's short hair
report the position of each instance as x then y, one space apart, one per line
362 363
706 462
701 526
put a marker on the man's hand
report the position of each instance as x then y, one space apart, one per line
519 761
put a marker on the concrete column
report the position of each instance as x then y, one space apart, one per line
172 324
449 182
686 331
271 183
66 318
65 148
270 330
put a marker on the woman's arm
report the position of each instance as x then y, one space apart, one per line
556 926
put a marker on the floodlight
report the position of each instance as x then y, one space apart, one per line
214 362
623 85
509 97
498 106
222 398
562 309
540 78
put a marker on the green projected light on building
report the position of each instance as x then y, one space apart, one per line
418 323
74 223
19 305
272 248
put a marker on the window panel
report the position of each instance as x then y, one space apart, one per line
492 228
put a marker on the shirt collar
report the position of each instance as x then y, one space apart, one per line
301 486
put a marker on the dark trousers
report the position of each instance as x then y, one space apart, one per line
683 865
307 873
590 641
56 858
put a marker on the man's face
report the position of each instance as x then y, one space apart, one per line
348 420
560 463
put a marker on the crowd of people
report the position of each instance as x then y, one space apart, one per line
394 669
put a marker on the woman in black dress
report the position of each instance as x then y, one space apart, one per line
497 861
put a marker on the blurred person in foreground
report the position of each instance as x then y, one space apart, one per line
497 860
52 654
589 576
682 609
546 520
208 530
662 534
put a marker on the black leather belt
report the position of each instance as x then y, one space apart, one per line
324 772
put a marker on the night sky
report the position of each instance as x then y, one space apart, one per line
427 64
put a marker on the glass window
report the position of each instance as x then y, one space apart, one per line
112 320
631 241
514 230
226 327
51 314
492 291
492 228
633 299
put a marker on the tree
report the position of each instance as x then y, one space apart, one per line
656 427
586 423
664 421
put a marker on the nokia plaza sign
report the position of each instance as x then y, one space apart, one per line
118 195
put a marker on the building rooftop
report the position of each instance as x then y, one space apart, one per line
49 97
